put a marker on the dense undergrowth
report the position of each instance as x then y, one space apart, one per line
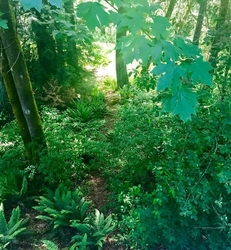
169 181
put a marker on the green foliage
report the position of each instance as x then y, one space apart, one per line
93 13
143 78
93 232
10 188
68 140
92 55
66 209
11 229
109 83
12 183
50 245
177 63
62 206
87 109
171 178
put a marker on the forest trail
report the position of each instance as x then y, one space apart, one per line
98 191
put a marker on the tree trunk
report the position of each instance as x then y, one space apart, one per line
19 88
219 32
121 69
46 49
200 19
170 8
72 54
16 106
185 17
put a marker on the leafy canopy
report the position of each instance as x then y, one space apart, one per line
177 63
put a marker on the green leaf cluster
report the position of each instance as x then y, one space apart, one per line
62 206
66 209
176 61
171 178
10 230
93 232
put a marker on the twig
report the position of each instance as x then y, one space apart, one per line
11 68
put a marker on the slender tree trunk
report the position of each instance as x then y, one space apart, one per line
121 68
46 49
185 17
19 88
200 19
219 32
170 8
72 54
16 106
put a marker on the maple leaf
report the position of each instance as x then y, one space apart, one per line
156 52
199 70
171 77
160 27
57 3
134 47
170 51
37 4
133 21
182 103
186 48
93 14
28 4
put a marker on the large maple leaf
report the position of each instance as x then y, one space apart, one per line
94 14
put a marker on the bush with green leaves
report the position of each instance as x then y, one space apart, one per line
62 206
68 139
10 230
93 231
172 178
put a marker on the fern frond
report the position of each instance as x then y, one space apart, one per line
17 232
24 186
83 210
14 217
97 220
50 245
43 217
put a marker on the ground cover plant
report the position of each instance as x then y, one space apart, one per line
125 153
171 178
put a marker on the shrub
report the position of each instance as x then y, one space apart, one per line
172 178
68 140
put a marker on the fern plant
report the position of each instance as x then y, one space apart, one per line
11 229
62 206
50 245
93 233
